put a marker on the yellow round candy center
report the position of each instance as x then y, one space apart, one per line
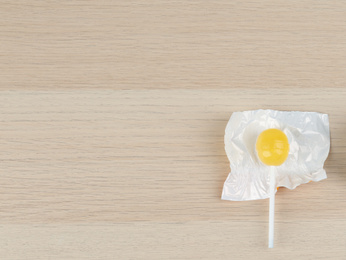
272 147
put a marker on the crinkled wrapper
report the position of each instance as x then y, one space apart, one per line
309 139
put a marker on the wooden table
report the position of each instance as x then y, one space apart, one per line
112 122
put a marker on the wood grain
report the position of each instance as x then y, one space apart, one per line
172 44
112 121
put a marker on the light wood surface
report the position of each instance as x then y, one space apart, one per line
112 121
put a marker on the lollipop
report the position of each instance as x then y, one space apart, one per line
262 157
272 149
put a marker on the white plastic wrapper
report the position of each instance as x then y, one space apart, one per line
308 136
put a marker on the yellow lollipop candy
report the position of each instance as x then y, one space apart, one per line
272 147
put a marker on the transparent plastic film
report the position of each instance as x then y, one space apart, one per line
309 143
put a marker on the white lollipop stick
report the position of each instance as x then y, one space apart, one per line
272 171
